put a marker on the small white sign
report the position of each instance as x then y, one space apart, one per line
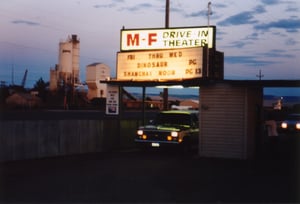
175 64
112 100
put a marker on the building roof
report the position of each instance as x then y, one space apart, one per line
94 64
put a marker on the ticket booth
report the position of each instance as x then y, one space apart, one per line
230 120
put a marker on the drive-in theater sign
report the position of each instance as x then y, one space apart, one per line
160 55
160 64
163 54
170 38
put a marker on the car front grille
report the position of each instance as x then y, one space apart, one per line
153 135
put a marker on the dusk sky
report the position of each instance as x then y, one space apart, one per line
254 35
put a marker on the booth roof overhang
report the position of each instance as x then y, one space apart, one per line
198 82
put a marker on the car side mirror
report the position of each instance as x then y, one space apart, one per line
195 124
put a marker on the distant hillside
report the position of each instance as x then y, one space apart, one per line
190 96
290 101
288 98
177 96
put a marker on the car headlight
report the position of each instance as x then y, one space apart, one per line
140 132
174 134
284 125
298 126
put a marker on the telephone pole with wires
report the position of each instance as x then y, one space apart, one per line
260 75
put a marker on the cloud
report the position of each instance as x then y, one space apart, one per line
257 60
270 2
25 22
252 36
259 10
219 5
196 14
292 9
173 9
203 12
290 25
112 5
246 17
276 53
247 60
138 7
290 41
238 44
239 19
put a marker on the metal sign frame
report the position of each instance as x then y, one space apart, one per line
174 64
167 38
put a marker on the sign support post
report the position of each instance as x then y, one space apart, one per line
165 90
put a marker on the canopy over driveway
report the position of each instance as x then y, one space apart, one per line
202 82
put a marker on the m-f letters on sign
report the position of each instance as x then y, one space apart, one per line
134 39
151 38
131 40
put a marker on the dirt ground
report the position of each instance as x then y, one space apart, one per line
153 176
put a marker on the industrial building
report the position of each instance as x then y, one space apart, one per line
94 73
66 72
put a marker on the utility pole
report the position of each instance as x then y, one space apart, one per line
260 75
209 12
167 13
165 90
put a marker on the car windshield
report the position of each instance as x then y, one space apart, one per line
173 119
293 117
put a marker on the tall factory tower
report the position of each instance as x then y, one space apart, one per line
66 71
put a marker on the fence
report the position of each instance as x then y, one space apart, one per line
61 133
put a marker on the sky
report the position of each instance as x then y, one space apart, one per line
254 35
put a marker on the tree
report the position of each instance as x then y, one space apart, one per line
40 86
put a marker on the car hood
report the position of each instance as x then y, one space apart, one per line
291 121
165 127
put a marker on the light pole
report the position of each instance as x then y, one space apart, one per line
209 12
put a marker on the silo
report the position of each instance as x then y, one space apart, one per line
65 61
75 58
94 73
53 79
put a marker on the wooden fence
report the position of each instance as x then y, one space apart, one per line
30 137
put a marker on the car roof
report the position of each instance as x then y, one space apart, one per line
294 114
180 112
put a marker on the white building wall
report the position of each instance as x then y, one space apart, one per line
228 121
94 73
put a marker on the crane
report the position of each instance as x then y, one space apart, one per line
24 79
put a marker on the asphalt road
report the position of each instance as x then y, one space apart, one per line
134 176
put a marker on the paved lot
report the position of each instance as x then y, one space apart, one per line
156 176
